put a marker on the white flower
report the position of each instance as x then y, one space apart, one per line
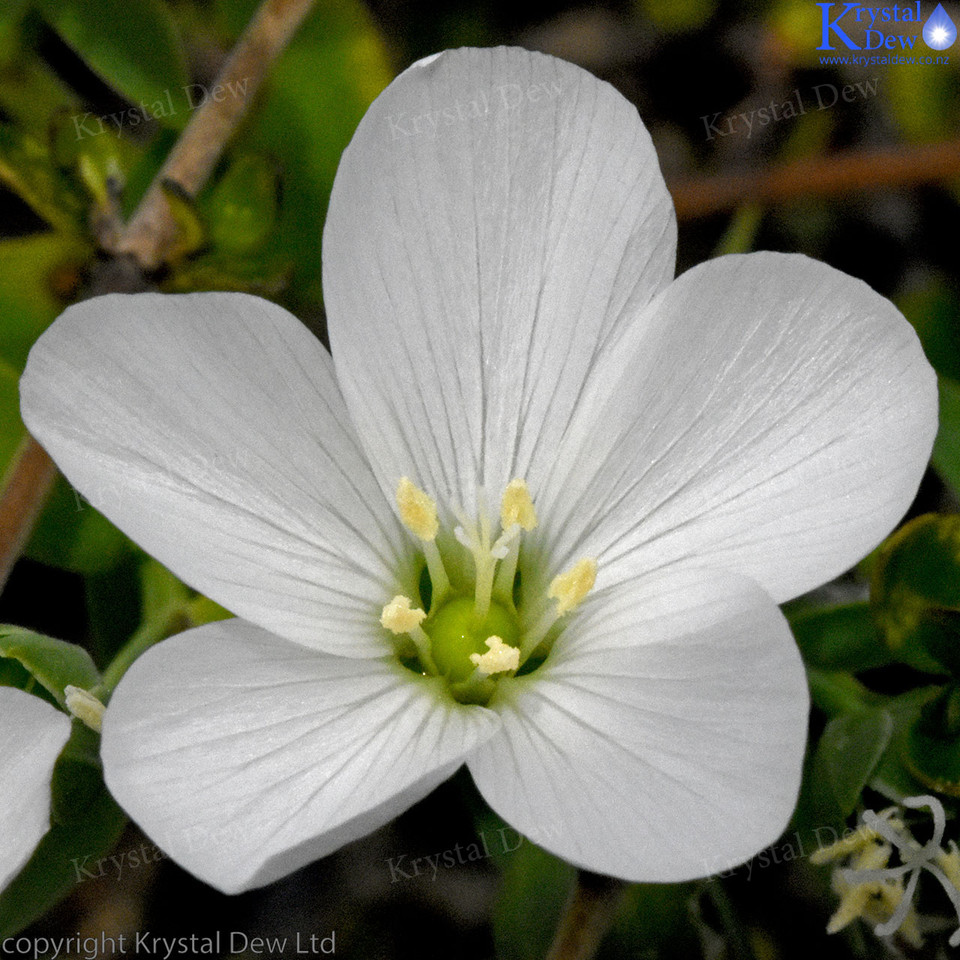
516 379
32 734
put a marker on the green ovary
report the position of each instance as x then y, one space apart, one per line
455 633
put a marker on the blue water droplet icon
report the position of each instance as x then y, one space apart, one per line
939 31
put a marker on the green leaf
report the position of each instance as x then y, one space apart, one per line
530 875
53 663
656 915
133 45
848 752
946 449
86 825
12 430
892 776
39 274
27 168
242 209
934 311
933 742
74 536
840 638
11 13
915 592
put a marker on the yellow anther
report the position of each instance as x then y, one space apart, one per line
516 508
862 838
84 706
949 863
417 510
569 588
399 617
500 658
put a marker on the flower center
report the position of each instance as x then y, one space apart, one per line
473 628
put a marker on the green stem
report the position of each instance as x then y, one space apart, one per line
146 636
587 916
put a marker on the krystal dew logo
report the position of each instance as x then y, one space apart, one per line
938 32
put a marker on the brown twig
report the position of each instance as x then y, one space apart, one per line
152 230
839 173
587 916
146 238
23 497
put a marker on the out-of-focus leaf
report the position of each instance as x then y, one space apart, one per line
836 692
656 916
924 103
86 825
530 875
73 535
892 776
915 590
933 742
39 275
11 13
133 45
53 663
848 752
946 449
190 234
934 311
31 94
203 610
676 16
242 208
741 232
12 431
161 591
28 170
314 98
263 275
840 638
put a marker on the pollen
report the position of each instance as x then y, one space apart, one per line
569 588
418 511
399 617
516 508
84 706
500 658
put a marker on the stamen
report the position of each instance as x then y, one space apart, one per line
569 588
516 508
399 617
84 706
418 511
500 658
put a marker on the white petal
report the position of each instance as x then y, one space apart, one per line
494 216
32 734
663 738
210 429
770 415
245 757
